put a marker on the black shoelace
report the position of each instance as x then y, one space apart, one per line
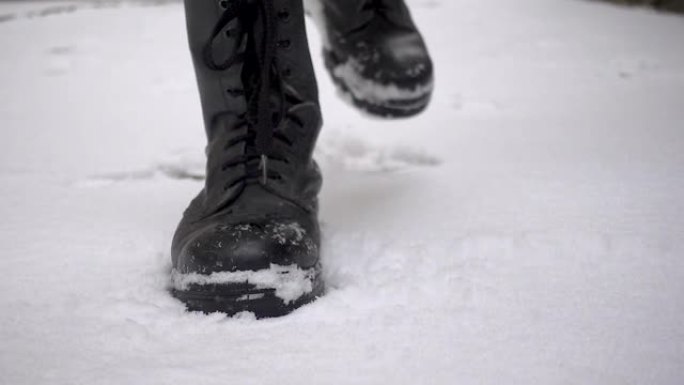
257 20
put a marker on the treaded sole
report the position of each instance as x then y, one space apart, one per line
234 298
390 108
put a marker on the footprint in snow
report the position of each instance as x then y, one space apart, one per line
181 165
349 153
354 154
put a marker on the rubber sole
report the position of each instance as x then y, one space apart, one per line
388 108
234 298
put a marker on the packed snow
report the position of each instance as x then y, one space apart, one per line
528 228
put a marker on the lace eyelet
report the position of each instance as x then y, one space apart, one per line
285 44
223 4
284 15
235 92
286 73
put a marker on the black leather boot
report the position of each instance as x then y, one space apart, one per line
250 240
375 54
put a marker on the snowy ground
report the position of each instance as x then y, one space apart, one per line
527 229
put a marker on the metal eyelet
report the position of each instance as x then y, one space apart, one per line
285 44
284 15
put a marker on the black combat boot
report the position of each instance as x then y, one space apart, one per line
250 240
375 54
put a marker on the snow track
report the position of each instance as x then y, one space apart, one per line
526 229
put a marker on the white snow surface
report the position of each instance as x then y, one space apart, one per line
527 229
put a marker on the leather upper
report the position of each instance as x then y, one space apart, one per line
238 222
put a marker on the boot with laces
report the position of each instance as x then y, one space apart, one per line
375 54
250 240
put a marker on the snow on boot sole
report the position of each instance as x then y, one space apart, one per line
378 99
267 293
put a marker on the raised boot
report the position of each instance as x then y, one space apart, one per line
250 240
375 54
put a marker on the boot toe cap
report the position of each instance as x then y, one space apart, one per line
404 61
400 59
247 246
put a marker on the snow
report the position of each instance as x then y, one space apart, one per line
526 229
314 9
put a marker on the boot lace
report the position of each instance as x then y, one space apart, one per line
257 20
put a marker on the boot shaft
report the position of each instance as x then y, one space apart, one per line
259 101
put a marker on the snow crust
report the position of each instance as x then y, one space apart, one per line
526 229
289 282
